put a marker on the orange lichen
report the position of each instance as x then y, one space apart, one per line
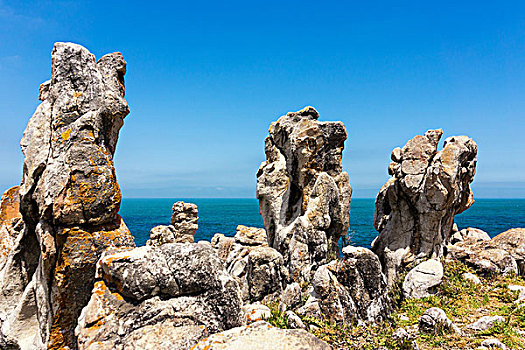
66 134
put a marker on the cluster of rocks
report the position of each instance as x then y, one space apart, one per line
71 276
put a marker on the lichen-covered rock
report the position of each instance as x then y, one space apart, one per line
69 199
351 289
165 297
503 254
11 224
256 312
259 269
262 336
435 320
415 208
304 196
420 281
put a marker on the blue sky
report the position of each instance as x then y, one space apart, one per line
205 79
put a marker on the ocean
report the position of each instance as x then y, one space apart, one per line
223 215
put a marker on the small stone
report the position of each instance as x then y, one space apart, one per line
471 278
520 289
293 321
485 322
290 297
434 319
256 312
493 343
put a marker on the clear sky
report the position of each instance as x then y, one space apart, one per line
206 78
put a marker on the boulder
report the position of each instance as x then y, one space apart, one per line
258 268
165 297
262 336
293 321
485 322
184 218
435 320
351 289
503 254
469 234
256 312
415 208
69 199
493 344
472 278
421 279
304 196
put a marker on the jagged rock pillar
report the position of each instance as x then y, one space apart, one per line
415 208
69 199
304 196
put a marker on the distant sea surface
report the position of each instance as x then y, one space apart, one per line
223 215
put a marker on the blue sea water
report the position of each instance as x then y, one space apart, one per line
223 215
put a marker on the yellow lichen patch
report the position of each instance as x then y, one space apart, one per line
77 94
66 134
9 206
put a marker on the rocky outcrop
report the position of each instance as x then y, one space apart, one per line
182 229
258 268
304 196
348 290
415 208
503 254
164 297
69 199
262 336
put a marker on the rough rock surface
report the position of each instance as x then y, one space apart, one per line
304 196
256 312
259 269
502 254
471 234
262 336
415 208
485 322
165 297
421 279
435 319
11 224
182 229
69 199
350 289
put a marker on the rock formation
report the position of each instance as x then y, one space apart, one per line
69 199
348 290
163 297
182 229
415 208
258 268
262 336
304 196
503 254
11 223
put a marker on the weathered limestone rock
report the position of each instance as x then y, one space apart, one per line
415 208
165 297
262 336
435 319
472 278
182 229
304 196
485 322
503 254
259 269
471 234
421 279
69 199
351 289
11 224
256 312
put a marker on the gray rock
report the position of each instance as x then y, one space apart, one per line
184 218
520 290
293 321
256 312
258 268
434 320
415 208
352 289
471 278
69 199
485 322
493 343
291 297
180 291
163 234
304 196
262 336
421 279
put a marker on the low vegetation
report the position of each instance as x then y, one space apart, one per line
464 303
